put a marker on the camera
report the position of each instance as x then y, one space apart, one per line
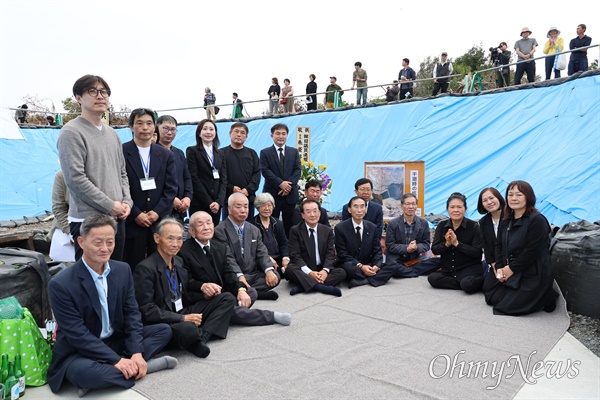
495 54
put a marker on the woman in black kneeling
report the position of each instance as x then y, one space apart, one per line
491 204
458 243
522 282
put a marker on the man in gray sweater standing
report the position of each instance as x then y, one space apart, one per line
92 162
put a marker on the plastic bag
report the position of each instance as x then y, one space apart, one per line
10 308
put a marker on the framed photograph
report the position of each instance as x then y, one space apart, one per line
391 179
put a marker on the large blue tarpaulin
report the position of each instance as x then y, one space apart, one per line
548 135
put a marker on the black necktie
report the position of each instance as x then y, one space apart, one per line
358 238
281 160
211 262
312 247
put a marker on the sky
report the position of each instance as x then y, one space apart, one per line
162 54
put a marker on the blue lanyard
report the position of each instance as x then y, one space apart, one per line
173 283
146 166
212 164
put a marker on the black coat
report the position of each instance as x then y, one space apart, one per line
206 189
278 233
464 259
524 244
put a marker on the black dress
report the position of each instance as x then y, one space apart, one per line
524 244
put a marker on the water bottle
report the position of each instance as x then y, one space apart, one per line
20 375
12 384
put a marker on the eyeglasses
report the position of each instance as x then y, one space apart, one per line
94 92
168 129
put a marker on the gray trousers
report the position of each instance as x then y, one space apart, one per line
251 317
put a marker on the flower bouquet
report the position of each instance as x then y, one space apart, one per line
316 172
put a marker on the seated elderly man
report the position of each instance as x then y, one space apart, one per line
211 274
100 340
163 290
408 240
251 259
359 248
311 264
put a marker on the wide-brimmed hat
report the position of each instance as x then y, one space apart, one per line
526 29
552 28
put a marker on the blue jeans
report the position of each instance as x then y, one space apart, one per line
361 92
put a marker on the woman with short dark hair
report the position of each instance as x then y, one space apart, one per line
522 282
458 243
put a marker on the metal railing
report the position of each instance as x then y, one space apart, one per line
381 85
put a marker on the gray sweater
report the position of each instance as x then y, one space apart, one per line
93 167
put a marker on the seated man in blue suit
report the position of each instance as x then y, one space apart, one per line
364 188
100 340
408 241
359 249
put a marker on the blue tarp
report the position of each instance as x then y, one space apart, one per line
548 135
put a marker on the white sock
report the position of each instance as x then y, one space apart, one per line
282 318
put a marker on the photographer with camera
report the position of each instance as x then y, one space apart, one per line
500 56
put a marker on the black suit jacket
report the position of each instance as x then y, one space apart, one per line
374 215
489 237
201 271
347 246
324 219
206 189
299 248
159 200
153 293
184 179
395 239
77 310
269 166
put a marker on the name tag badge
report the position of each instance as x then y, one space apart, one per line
215 173
178 305
147 184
